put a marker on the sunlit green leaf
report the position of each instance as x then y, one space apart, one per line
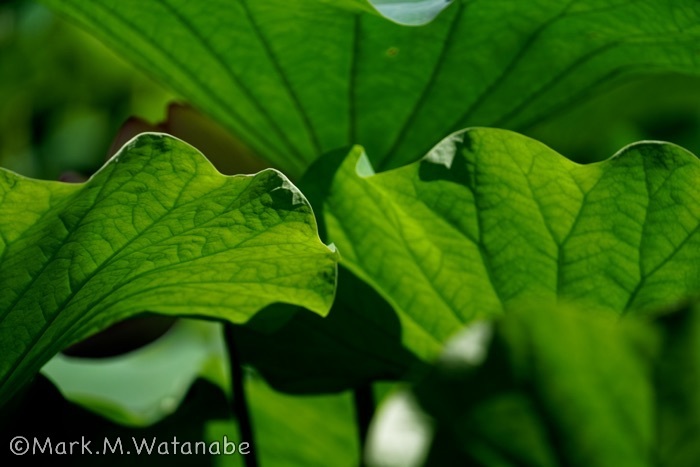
295 79
157 229
490 218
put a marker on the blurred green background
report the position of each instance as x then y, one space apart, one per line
63 94
663 107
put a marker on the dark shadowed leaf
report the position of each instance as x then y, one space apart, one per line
360 341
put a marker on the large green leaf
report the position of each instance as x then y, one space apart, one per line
490 218
487 219
298 78
157 229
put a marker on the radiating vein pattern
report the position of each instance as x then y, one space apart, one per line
490 218
297 78
157 229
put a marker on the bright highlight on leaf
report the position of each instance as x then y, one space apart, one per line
411 12
406 12
490 218
156 229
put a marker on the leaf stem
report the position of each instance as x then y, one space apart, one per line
364 411
238 401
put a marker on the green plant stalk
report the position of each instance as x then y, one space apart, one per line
239 402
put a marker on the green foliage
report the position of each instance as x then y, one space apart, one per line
568 265
490 218
157 229
64 94
561 386
295 79
676 379
144 386
312 430
361 340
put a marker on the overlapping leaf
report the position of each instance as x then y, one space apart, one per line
298 78
491 218
157 229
